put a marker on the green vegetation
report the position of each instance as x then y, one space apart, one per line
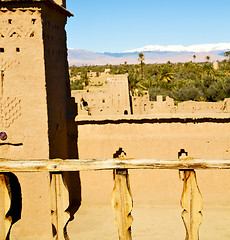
181 81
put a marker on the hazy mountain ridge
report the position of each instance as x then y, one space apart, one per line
84 57
210 47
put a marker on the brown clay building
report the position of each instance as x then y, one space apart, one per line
37 111
38 115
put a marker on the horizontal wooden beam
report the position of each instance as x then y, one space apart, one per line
58 165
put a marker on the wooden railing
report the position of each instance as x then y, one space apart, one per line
122 202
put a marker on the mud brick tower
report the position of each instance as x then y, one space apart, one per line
36 108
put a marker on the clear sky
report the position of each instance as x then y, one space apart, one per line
119 25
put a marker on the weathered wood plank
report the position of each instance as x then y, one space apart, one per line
5 201
59 204
122 203
57 165
191 202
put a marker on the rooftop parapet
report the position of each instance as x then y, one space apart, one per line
59 4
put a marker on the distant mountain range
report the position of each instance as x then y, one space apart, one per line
152 54
180 48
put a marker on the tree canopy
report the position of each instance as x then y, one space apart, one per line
181 81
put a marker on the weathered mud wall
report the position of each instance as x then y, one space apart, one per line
159 136
36 110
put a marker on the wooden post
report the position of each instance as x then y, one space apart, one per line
59 204
191 202
5 202
122 203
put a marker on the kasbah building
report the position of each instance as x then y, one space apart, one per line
43 121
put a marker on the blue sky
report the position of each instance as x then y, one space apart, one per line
114 26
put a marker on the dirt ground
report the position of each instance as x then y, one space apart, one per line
156 210
95 222
154 217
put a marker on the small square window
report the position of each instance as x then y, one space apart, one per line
10 21
17 49
2 50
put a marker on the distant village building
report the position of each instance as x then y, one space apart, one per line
98 78
109 94
216 65
75 77
112 97
142 105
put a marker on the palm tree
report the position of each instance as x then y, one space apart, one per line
209 70
136 68
85 79
166 76
141 60
125 66
227 54
194 57
149 82
136 87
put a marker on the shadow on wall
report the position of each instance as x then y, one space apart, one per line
72 179
15 195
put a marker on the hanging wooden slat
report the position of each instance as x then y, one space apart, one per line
59 204
122 204
191 202
5 202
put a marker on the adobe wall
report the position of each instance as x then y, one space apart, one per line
192 106
142 105
22 68
34 81
61 3
159 136
36 109
98 78
57 81
37 113
20 36
112 98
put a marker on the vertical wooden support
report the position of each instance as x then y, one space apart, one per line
5 202
59 204
191 202
122 203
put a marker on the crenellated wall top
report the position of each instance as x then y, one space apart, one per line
57 4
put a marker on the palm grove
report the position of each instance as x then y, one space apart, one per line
181 81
